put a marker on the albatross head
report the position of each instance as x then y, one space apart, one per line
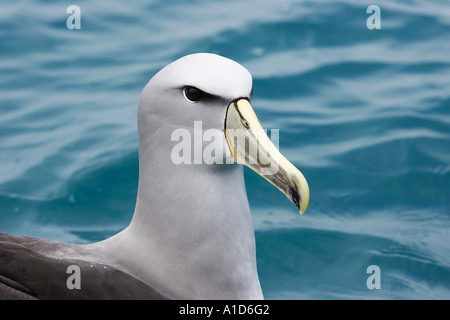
215 92
192 234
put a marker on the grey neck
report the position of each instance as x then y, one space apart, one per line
192 229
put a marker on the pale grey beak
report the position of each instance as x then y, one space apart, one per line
252 147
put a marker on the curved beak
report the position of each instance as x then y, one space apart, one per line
251 146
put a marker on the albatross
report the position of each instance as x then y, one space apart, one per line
191 235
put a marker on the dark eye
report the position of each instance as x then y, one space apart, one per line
192 94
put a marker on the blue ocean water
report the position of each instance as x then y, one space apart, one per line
364 114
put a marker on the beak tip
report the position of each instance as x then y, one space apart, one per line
301 210
299 202
304 204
